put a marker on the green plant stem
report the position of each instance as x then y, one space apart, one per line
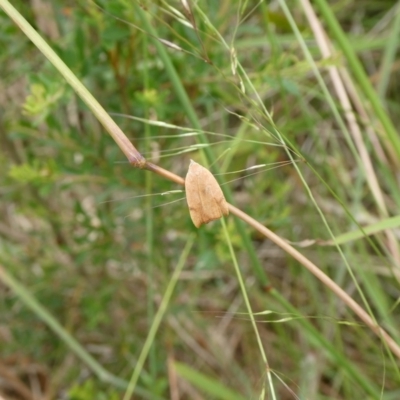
158 318
149 225
248 306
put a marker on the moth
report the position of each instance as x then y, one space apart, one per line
204 196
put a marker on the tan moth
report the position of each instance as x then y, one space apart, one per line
204 196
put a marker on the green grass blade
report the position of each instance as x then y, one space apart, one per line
359 74
208 385
389 55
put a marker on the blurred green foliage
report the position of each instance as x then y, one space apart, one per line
88 391
78 232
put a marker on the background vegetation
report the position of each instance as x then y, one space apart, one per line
88 239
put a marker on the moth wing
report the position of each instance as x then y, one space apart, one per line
211 207
193 196
217 202
204 196
220 199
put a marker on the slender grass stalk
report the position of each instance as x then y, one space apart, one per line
248 306
149 224
158 318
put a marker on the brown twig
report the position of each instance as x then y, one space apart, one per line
352 304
